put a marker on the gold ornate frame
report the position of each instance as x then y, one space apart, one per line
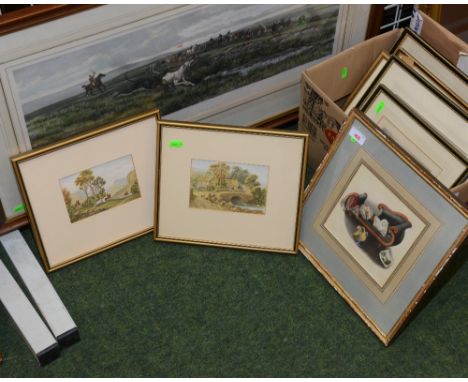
439 188
18 159
231 129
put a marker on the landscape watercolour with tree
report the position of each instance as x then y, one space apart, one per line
228 186
100 188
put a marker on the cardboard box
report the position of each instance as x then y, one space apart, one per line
325 87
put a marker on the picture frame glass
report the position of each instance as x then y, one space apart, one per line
375 225
96 191
226 196
205 51
365 181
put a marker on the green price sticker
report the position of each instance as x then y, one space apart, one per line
380 107
344 72
352 139
176 144
19 208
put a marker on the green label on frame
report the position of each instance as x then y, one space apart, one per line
176 144
19 208
344 72
380 107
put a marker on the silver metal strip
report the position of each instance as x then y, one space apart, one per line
39 286
40 340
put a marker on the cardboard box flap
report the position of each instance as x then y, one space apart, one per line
329 106
357 60
441 40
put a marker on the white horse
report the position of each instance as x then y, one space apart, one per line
177 78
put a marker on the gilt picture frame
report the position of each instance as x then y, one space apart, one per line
433 66
378 227
414 135
96 189
221 195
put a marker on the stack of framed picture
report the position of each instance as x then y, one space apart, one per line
379 221
420 100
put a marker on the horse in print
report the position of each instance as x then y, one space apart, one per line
98 84
88 90
94 83
177 77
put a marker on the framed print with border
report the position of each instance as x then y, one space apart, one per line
229 187
432 65
404 126
377 226
233 64
91 192
446 118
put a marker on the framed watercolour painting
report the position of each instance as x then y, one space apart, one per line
226 186
96 189
377 226
403 125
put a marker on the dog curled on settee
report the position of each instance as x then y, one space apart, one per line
376 232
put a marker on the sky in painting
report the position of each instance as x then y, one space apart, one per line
259 170
70 69
115 170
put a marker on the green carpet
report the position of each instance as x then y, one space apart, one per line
166 310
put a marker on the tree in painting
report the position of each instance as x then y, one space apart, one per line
88 192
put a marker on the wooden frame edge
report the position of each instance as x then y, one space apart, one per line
278 120
40 13
382 56
343 294
375 18
13 224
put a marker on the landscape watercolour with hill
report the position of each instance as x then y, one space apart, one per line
100 188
